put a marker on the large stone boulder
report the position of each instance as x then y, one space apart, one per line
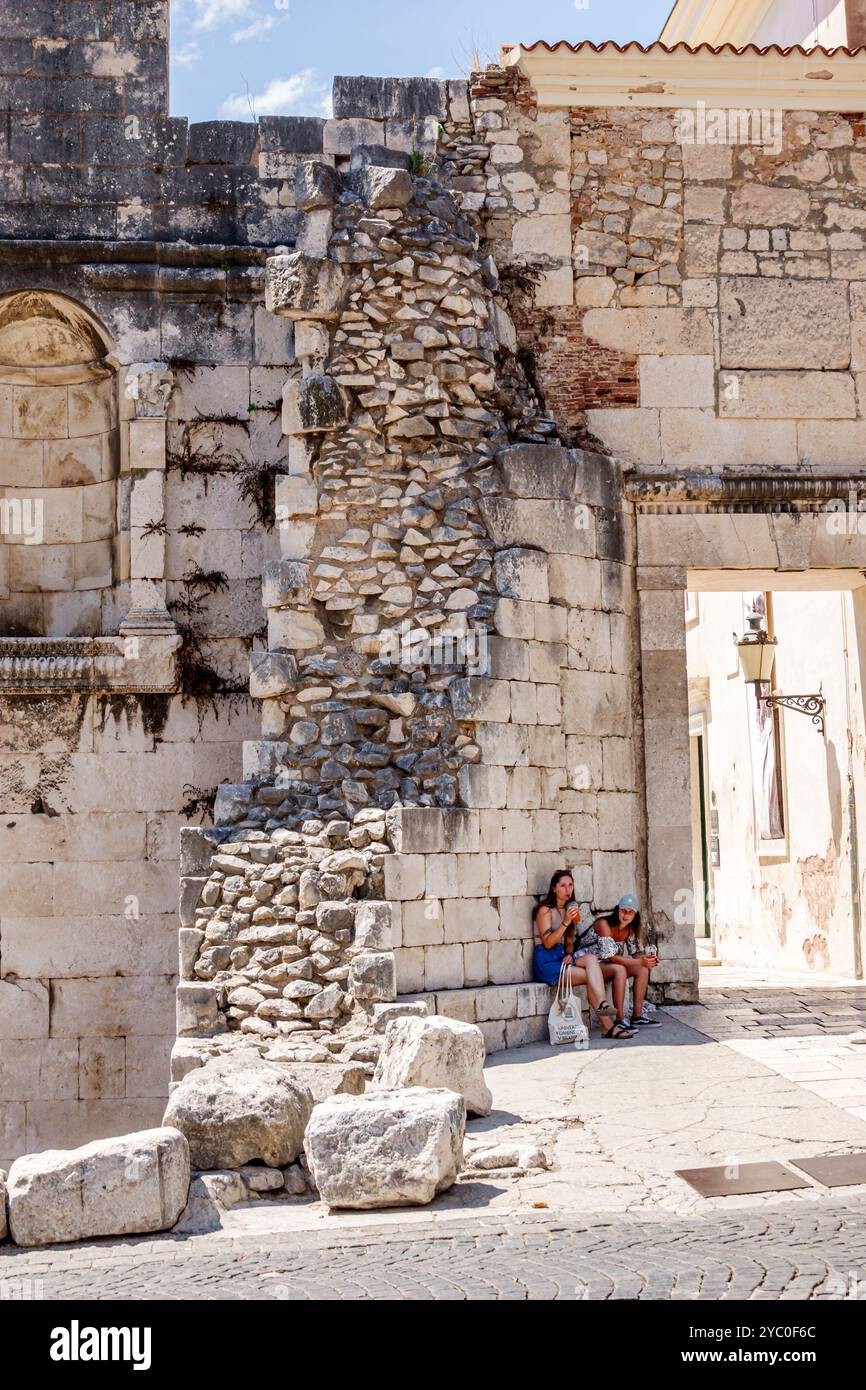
386 1148
112 1187
240 1109
435 1052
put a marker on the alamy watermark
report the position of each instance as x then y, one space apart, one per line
22 518
410 647
729 125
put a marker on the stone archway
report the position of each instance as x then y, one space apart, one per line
59 462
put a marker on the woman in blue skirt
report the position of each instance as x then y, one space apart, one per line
554 922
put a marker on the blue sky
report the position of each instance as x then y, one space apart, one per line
279 57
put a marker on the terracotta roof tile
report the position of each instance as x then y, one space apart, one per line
685 48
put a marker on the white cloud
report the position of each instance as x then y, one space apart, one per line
304 93
254 30
187 56
210 14
436 72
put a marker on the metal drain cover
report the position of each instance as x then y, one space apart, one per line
742 1179
834 1170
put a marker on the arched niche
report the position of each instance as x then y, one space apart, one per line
59 461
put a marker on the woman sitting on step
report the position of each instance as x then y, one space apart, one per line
555 924
622 926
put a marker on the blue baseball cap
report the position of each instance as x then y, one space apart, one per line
628 900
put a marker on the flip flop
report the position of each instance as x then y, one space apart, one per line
620 1032
606 1010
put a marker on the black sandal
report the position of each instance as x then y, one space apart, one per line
619 1032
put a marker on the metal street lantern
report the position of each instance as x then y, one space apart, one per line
757 651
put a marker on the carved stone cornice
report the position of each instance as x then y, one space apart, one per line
711 492
106 665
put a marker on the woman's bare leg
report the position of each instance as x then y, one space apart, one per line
617 974
589 974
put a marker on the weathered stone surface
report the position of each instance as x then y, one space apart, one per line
386 1148
239 1109
3 1222
323 1079
373 977
788 395
384 188
435 1052
315 185
272 674
121 1186
383 1014
313 405
795 324
210 1195
303 287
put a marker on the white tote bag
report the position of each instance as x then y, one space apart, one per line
565 1022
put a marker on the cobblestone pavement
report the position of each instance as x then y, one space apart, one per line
813 1253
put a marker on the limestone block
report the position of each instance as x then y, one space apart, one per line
839 444
383 188
196 1009
503 745
555 288
546 747
631 435
481 787
423 923
442 876
595 704
462 831
383 1014
292 630
701 250
567 528
793 324
285 583
521 574
294 497
612 875
386 1148
546 234
477 697
147 444
410 969
665 332
787 395
315 185
677 381
130 1185
443 967
473 919
760 205
694 438
343 136
617 820
515 619
508 874
660 223
506 962
303 287
536 470
436 1053
272 674
376 925
474 966
405 876
702 161
515 920
373 976
416 829
314 404
240 1109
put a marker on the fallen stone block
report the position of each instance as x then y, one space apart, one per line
240 1108
435 1052
386 1148
322 1079
130 1185
261 1179
210 1195
497 1156
383 1014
